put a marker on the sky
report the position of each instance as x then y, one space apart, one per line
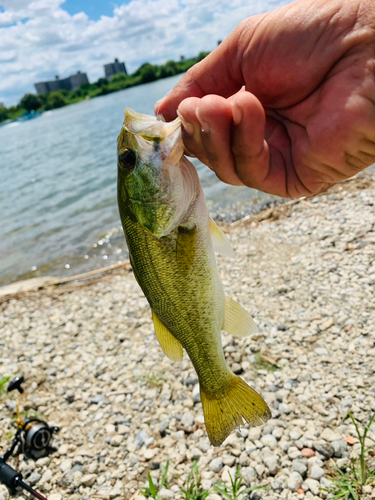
43 38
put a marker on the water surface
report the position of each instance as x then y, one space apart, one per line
58 211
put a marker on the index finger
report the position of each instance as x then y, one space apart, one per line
219 73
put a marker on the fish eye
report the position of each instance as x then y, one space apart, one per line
127 159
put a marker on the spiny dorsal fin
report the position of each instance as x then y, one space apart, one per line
170 345
220 240
186 244
237 321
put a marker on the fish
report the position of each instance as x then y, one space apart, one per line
172 242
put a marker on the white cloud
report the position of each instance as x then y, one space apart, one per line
39 39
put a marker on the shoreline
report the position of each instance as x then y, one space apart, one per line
305 271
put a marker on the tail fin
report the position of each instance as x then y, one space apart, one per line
239 404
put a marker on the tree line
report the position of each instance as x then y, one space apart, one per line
146 73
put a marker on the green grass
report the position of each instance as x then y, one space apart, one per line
192 489
236 490
349 485
262 364
3 382
152 491
153 379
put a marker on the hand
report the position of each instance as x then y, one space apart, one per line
286 104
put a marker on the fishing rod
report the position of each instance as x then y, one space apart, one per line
33 439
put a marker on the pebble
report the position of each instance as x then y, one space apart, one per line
295 481
216 464
316 472
307 452
324 449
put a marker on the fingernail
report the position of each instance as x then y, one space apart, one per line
237 113
204 125
188 127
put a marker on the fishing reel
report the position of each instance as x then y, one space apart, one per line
33 439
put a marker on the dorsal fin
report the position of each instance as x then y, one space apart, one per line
220 241
237 321
170 345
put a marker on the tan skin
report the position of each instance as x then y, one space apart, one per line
286 104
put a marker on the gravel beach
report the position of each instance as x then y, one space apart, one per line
305 271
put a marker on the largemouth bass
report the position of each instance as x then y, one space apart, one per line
171 241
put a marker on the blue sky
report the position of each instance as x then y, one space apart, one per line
93 8
43 38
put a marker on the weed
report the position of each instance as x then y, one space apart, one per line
261 363
349 485
3 381
29 414
152 491
153 379
193 489
236 490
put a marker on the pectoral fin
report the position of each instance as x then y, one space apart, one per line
170 345
186 244
237 321
220 240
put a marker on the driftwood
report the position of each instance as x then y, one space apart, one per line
20 288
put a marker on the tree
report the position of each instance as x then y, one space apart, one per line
120 77
170 68
55 100
3 113
30 102
101 82
148 73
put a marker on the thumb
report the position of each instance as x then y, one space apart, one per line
219 73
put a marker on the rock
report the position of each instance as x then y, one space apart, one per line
284 409
196 395
324 449
166 494
316 472
97 399
299 467
4 492
272 464
140 439
307 452
33 478
187 419
236 368
116 440
88 479
77 479
249 475
295 481
163 426
66 465
329 435
340 447
349 440
216 464
254 434
313 485
269 440
55 496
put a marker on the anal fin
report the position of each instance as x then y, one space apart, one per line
237 321
170 345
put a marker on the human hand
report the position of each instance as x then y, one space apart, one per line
286 104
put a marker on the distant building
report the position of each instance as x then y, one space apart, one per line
73 82
1 105
114 68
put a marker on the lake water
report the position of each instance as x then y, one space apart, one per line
58 209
